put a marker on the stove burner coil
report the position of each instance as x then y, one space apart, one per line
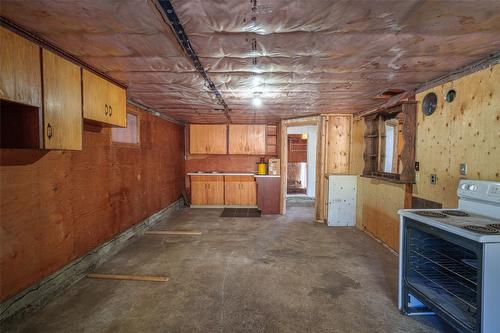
429 213
494 226
481 229
455 213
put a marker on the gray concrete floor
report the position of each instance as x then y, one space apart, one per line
269 274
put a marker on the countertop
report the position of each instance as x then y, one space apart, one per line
228 174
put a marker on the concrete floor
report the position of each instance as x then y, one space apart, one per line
269 274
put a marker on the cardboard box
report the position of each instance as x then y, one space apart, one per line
274 166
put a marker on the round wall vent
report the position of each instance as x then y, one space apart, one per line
429 104
450 95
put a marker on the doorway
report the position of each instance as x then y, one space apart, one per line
301 161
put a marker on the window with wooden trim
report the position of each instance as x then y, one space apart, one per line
128 135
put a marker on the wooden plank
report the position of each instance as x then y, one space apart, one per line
148 278
338 144
172 232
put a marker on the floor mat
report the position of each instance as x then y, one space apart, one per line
240 212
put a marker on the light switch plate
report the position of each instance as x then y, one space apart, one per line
433 178
463 169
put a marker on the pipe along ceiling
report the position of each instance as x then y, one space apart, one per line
263 60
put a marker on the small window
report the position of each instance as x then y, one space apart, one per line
128 135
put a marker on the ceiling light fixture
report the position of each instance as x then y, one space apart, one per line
257 102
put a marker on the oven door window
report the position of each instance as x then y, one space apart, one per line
446 273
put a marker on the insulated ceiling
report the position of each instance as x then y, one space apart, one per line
298 57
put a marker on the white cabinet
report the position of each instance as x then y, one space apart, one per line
342 200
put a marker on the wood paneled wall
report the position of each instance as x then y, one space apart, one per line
58 205
377 201
466 130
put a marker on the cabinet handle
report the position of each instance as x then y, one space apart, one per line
49 130
110 110
106 109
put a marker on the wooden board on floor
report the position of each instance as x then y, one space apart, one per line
149 278
168 232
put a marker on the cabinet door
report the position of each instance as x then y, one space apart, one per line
62 103
207 139
94 97
256 139
240 190
198 190
117 105
215 190
103 101
232 188
238 142
20 80
247 139
248 191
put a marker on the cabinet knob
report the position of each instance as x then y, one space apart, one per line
49 130
110 110
106 109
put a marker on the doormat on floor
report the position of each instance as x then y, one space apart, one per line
240 212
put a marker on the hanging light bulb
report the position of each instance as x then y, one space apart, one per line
257 102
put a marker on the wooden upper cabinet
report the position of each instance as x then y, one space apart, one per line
240 190
62 103
20 76
207 190
103 101
207 139
247 139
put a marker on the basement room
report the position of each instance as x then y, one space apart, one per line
250 166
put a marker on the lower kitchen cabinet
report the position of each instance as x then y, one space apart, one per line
207 190
268 194
240 190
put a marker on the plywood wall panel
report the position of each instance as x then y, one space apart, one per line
338 143
63 204
464 131
358 146
377 206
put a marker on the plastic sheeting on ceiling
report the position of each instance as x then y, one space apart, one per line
298 57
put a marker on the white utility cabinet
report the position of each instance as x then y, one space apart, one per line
342 191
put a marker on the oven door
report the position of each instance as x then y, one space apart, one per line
443 271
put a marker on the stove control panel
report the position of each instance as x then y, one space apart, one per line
482 190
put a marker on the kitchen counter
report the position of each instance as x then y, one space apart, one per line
228 174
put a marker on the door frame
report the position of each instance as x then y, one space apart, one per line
315 121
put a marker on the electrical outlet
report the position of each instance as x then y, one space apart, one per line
463 169
433 178
417 176
417 166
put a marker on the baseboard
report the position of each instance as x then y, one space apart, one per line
222 206
39 294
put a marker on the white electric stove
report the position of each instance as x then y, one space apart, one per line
449 261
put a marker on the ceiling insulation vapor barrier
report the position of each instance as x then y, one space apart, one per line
178 30
210 58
